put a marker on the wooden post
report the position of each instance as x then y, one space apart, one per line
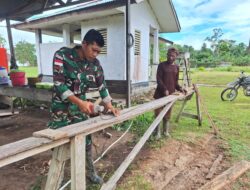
128 54
56 171
13 64
77 149
181 110
198 103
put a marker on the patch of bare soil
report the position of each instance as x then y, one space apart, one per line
178 165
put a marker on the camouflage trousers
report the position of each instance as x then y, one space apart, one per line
62 117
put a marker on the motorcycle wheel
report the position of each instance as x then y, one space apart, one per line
229 94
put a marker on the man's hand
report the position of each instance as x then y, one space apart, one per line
115 111
166 93
86 107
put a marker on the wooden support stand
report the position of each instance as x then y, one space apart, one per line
56 171
77 152
189 115
10 111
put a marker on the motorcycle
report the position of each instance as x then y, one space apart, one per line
231 92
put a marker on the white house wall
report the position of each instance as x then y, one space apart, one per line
142 19
46 56
113 62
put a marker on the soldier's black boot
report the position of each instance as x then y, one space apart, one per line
90 168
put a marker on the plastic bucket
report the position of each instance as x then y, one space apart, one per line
3 58
17 78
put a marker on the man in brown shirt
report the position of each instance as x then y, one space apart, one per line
167 82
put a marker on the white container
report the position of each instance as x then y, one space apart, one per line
4 79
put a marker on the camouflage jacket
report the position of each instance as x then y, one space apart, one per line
73 76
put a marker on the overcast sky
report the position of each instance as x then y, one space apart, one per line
198 18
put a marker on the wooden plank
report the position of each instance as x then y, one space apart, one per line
117 86
27 93
34 93
189 115
227 176
50 134
77 149
119 172
96 124
4 113
214 166
25 148
31 146
56 170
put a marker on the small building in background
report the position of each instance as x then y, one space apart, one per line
148 19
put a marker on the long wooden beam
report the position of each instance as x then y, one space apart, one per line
119 172
19 150
97 124
227 176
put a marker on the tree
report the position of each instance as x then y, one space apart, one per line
214 39
163 51
2 40
25 52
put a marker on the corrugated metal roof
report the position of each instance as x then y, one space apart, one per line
63 10
23 9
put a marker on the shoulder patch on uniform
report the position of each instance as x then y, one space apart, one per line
58 56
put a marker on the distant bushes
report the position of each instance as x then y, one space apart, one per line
226 69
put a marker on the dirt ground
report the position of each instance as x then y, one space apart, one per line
31 172
178 165
175 165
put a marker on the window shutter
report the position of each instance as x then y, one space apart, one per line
137 42
104 34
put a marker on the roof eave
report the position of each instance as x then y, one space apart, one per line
101 7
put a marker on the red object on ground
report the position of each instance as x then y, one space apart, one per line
4 59
17 78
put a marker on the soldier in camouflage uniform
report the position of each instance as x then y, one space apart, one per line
76 71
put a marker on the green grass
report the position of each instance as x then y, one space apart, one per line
231 118
213 77
233 69
136 182
29 71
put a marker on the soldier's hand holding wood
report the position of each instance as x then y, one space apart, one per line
86 107
114 111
